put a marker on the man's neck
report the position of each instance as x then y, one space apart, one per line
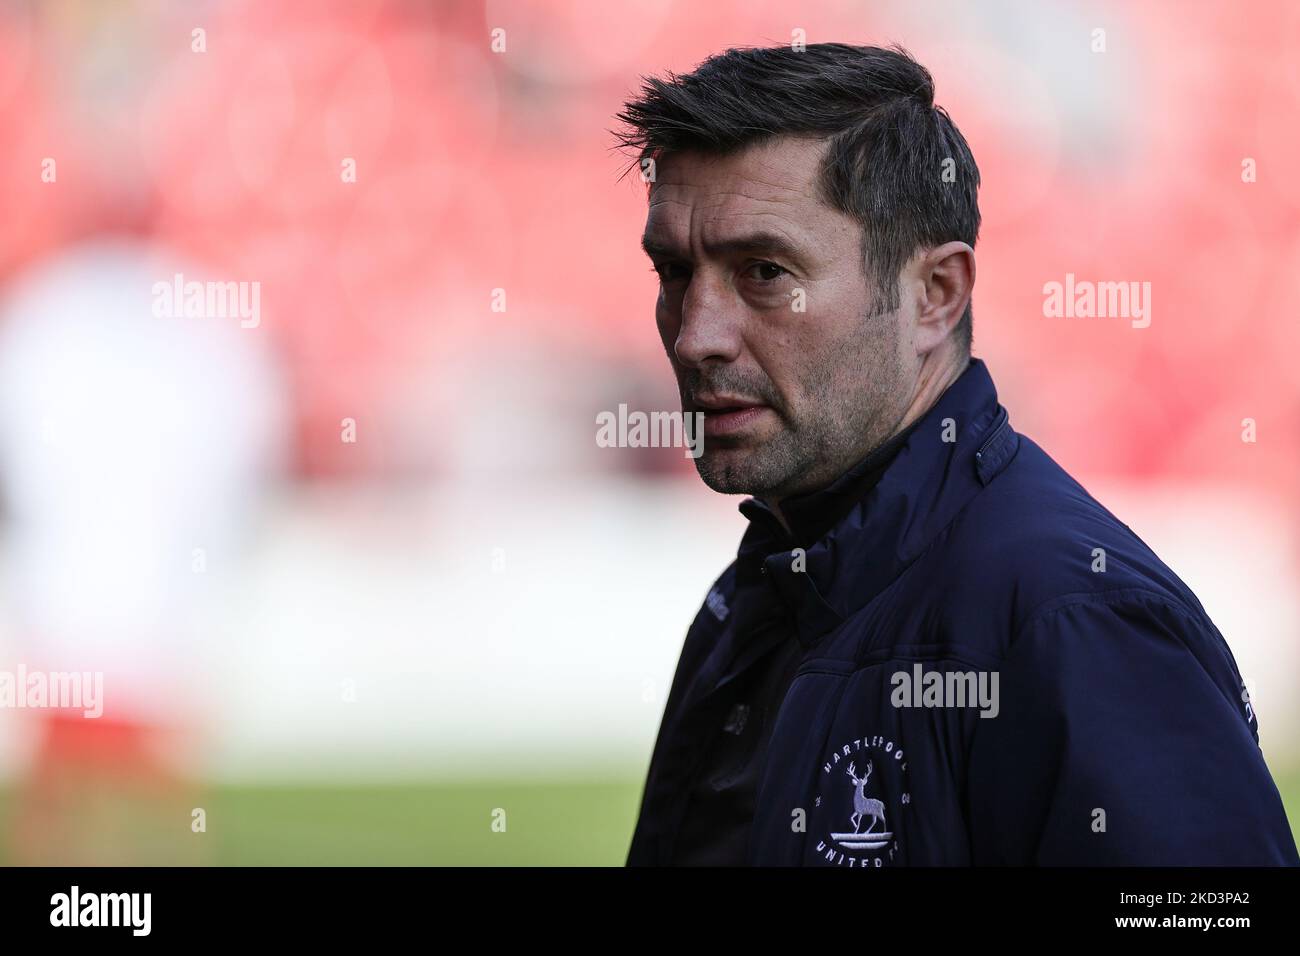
933 380
931 384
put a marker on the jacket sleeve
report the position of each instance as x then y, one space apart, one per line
1122 738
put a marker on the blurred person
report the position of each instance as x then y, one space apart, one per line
934 647
135 437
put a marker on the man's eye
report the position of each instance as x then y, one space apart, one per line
668 271
766 271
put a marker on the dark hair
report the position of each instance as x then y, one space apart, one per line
889 144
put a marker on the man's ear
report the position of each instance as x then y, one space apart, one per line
947 276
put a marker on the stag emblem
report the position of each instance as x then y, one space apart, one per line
864 805
866 827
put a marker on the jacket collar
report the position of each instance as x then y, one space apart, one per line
811 515
929 474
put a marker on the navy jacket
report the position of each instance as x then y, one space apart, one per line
993 669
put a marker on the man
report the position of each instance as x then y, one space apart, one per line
933 647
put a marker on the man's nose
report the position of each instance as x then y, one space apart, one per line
712 317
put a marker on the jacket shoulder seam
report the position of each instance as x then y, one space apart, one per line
1108 597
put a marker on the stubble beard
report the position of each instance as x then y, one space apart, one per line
764 470
807 454
845 422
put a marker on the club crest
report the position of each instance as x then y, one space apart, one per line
863 790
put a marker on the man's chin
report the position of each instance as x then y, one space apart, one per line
734 471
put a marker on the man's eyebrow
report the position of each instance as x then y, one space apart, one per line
754 242
654 247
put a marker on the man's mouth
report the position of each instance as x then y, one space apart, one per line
726 415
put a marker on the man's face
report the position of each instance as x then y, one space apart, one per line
770 320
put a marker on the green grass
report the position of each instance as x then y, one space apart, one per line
563 823
559 823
